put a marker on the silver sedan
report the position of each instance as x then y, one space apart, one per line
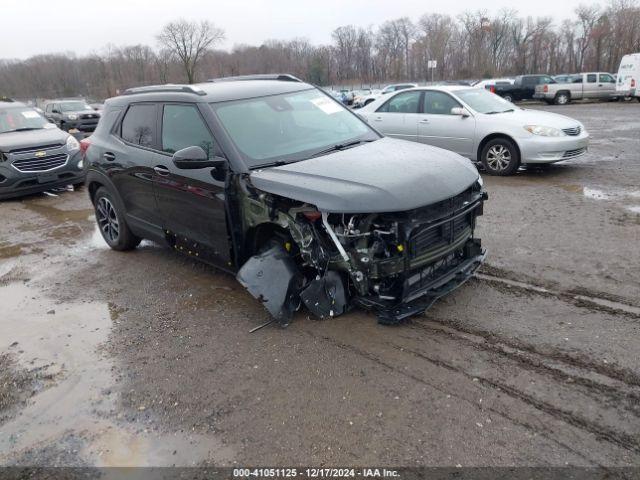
478 125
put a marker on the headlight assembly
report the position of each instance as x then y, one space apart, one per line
72 116
544 131
72 144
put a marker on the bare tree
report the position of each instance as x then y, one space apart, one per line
189 41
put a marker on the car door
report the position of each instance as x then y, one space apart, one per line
192 202
438 127
129 160
398 116
607 85
590 87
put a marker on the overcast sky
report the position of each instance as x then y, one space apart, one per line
31 27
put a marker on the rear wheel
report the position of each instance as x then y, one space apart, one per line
508 97
111 222
500 157
562 98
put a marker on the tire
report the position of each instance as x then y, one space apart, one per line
562 98
508 97
111 222
500 157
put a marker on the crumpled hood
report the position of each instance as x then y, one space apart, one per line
387 175
32 138
536 117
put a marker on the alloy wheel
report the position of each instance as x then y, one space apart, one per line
498 158
107 219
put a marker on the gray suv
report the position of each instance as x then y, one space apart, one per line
272 179
34 154
72 114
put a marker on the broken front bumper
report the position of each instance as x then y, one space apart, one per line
422 287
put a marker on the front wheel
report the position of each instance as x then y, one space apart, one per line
500 157
111 222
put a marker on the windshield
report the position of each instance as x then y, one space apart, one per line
289 127
21 118
483 101
74 106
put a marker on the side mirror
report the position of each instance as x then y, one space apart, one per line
463 112
193 158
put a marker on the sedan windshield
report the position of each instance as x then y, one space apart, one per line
74 106
18 119
483 101
290 127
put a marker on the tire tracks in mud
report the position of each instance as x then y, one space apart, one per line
544 432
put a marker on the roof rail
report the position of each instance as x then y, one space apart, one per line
164 89
283 77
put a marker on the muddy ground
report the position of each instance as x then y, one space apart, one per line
145 358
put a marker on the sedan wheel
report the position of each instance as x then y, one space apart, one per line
500 157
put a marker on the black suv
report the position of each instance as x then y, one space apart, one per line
523 88
34 154
272 179
72 114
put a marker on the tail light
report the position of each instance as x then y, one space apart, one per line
633 82
545 88
85 143
492 88
312 216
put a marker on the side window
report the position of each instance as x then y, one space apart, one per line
439 103
591 78
139 125
182 127
48 108
606 78
576 79
407 102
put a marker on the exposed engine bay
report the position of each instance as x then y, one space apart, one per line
394 263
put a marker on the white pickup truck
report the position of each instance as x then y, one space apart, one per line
596 85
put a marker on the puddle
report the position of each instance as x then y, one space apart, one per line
623 307
63 340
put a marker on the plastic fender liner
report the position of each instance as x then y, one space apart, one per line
326 296
273 278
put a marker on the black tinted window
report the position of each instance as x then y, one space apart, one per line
407 102
139 125
591 78
182 126
439 103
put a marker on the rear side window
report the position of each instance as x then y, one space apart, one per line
182 127
592 78
439 103
407 102
139 125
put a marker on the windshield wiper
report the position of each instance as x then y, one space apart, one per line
339 146
277 163
23 129
501 111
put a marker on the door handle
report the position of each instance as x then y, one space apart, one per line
424 120
160 170
377 119
108 156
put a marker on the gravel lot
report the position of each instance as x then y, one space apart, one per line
145 358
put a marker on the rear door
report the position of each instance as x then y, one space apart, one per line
590 86
398 116
438 127
129 159
192 202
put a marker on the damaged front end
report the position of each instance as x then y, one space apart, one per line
396 264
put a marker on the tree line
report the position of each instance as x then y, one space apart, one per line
472 45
